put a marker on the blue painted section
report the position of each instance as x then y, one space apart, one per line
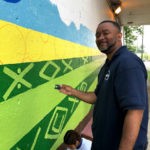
43 16
12 1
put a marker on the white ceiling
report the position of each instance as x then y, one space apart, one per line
135 12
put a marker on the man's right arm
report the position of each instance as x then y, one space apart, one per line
88 97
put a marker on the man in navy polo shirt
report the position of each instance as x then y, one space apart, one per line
120 117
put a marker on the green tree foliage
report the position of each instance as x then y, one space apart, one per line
131 34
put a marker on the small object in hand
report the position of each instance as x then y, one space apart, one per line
58 87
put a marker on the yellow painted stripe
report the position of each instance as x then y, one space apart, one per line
18 45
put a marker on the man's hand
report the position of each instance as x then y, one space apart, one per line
66 89
88 97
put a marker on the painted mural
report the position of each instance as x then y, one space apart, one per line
39 50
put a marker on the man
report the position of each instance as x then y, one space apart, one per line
73 140
120 116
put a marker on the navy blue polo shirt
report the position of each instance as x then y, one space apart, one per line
121 87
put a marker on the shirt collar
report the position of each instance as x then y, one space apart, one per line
122 48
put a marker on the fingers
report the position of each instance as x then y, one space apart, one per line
66 89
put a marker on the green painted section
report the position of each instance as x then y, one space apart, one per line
27 116
79 113
18 78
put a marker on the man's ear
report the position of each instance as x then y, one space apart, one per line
119 36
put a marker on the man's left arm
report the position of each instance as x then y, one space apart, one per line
131 129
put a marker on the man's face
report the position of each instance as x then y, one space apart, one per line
107 36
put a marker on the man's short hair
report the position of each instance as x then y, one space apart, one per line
116 24
71 137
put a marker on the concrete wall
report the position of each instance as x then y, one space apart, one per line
43 43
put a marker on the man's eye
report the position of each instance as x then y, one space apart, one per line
106 33
98 35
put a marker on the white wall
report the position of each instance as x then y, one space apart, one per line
86 12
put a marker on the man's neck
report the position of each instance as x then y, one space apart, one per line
110 55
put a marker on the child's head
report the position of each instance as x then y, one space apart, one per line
72 139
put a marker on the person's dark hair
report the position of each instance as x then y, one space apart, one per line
71 137
112 22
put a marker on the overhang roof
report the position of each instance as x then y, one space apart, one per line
134 12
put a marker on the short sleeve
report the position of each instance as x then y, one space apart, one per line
130 88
